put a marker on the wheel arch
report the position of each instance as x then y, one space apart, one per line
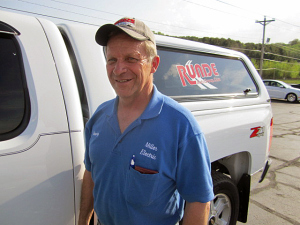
238 167
234 165
286 96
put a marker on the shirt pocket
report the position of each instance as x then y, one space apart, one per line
141 189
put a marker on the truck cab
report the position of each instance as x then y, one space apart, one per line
53 78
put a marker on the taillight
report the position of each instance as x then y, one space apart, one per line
271 133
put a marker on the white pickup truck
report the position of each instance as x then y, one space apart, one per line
53 77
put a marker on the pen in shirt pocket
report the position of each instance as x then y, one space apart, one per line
132 162
141 169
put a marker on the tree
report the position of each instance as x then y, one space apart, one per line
294 42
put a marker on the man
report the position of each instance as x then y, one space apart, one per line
145 153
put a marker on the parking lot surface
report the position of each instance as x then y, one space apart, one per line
277 199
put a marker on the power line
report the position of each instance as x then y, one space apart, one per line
287 23
84 7
40 14
254 50
234 6
215 9
272 60
50 7
281 70
144 20
270 53
153 22
55 17
289 48
226 3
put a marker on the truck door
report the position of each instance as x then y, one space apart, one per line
36 169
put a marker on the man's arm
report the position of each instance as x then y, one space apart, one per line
87 200
196 213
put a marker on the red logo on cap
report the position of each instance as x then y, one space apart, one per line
125 21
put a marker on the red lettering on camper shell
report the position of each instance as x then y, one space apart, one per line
182 74
189 72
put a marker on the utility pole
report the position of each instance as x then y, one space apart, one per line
264 23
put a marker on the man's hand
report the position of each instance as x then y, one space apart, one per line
196 213
87 200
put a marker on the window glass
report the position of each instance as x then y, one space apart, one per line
12 95
191 74
275 84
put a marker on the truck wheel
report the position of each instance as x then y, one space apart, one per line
291 97
225 206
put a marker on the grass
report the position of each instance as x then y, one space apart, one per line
291 81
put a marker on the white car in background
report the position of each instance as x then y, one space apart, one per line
280 90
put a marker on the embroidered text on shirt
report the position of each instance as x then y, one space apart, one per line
95 134
151 146
147 154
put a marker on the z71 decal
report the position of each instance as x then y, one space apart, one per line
257 132
202 75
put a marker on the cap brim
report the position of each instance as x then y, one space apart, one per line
103 33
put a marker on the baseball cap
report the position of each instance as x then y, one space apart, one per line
131 26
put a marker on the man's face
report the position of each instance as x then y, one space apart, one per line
128 67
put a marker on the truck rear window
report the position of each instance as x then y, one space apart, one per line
184 74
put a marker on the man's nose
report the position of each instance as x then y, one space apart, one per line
119 68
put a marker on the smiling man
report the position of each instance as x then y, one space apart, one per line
149 154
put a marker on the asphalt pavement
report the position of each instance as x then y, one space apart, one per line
276 201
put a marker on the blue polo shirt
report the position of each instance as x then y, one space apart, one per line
165 140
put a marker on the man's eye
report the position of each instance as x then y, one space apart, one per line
132 60
111 60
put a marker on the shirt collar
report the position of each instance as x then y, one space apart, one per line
153 108
155 105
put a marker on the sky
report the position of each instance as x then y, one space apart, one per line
234 19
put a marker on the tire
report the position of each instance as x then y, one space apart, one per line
224 208
291 97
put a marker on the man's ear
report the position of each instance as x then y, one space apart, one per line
155 63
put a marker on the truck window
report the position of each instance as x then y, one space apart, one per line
14 100
188 75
